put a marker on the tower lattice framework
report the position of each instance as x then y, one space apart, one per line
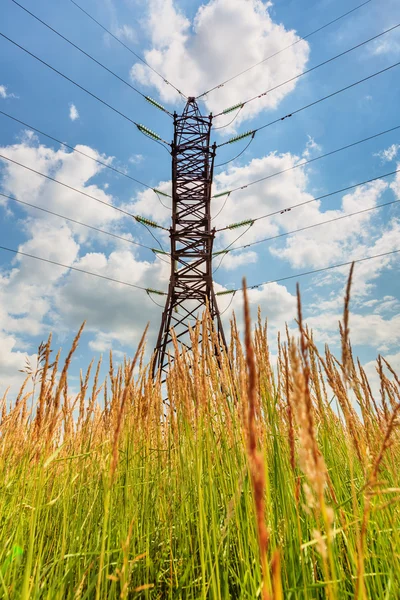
191 284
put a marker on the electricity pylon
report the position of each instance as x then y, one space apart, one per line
191 284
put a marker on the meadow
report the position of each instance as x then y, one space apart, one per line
249 482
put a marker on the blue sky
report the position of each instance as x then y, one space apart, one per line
196 46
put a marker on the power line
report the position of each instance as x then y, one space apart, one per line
53 262
114 235
345 264
289 208
311 160
129 49
70 187
237 156
325 62
286 48
228 250
88 55
103 164
140 127
311 104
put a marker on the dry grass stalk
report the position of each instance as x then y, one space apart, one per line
255 458
121 411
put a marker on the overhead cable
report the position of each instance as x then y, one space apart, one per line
74 149
141 128
150 100
53 262
337 266
325 62
289 208
285 48
307 162
347 87
229 249
128 48
98 230
137 218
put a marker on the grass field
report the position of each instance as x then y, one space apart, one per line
253 483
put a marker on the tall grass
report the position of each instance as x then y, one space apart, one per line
247 483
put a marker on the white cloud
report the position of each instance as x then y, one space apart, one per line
372 374
234 261
73 112
28 291
395 185
276 304
311 147
389 154
4 94
125 32
367 330
12 361
197 56
335 242
136 159
389 45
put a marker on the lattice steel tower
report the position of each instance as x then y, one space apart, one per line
191 284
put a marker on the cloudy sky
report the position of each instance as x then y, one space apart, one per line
196 47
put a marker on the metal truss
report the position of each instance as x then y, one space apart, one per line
191 285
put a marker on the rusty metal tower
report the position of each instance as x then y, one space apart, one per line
191 284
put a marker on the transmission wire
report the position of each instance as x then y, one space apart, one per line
73 82
103 164
128 48
325 62
252 287
83 52
53 262
286 48
286 233
345 189
119 237
307 162
318 101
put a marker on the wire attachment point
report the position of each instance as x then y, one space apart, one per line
147 222
146 131
249 222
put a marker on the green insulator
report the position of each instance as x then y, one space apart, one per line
155 103
225 292
232 108
220 252
151 291
241 224
147 222
161 193
221 194
241 136
148 132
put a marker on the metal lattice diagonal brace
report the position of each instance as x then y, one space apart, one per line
191 285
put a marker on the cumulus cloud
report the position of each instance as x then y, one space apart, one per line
337 241
389 154
73 112
196 56
367 330
12 361
36 296
234 261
